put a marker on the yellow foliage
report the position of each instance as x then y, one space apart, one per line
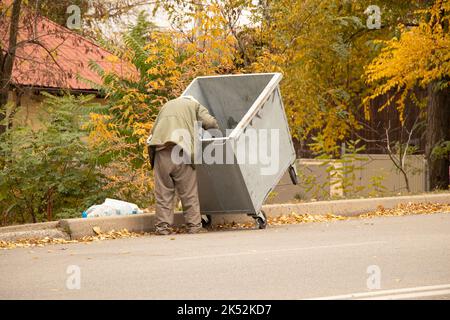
316 93
420 56
101 129
167 63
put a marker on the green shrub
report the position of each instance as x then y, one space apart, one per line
50 172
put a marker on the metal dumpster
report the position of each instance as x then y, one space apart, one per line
245 106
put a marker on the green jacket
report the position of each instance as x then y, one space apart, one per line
180 113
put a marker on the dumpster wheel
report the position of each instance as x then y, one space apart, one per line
293 174
261 220
206 221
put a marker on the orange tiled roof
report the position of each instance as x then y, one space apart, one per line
63 55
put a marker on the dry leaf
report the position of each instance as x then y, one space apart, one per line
292 218
97 230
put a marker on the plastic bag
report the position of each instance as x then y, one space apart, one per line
112 207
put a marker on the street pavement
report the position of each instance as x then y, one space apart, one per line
382 258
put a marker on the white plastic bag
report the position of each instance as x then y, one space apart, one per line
125 208
112 207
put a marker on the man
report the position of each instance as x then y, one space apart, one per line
174 129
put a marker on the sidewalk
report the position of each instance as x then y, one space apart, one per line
79 228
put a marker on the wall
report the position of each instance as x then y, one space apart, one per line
314 174
30 110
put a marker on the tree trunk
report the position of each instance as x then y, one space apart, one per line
7 61
438 130
50 205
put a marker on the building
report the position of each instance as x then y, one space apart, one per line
54 59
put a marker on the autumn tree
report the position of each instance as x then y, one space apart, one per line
167 61
8 53
212 27
420 57
98 18
322 48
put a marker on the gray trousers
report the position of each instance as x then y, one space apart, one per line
168 178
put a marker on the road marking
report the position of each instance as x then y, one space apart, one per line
412 295
404 293
255 252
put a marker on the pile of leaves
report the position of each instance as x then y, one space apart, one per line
295 218
292 218
30 243
403 209
408 209
99 236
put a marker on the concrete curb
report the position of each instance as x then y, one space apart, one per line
79 228
30 227
32 231
353 207
34 234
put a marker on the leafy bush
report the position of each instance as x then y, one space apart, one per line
50 172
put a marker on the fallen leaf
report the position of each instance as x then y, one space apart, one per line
97 230
405 209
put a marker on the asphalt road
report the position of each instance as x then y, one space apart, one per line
384 258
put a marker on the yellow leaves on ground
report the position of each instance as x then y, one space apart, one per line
405 209
99 236
295 218
400 210
111 235
97 230
408 209
30 243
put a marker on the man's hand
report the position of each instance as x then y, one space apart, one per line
208 121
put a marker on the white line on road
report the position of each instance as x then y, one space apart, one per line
256 252
411 295
404 293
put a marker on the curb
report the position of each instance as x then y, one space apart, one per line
34 234
79 228
354 207
32 231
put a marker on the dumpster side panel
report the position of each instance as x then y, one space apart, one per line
273 161
221 186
